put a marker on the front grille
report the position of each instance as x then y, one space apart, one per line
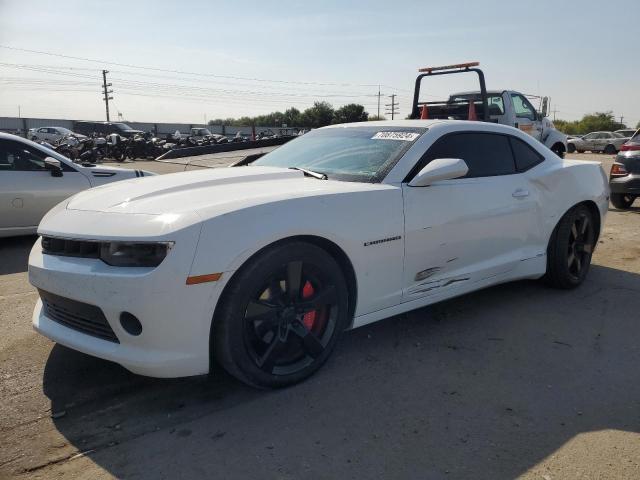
79 316
70 248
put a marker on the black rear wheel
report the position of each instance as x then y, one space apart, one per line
622 200
570 248
281 316
610 150
571 148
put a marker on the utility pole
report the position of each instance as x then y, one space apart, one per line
621 118
378 102
106 92
393 106
554 111
19 116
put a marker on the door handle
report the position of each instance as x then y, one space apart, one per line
520 193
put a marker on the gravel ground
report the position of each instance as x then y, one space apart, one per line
515 381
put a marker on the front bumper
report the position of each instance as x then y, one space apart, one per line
175 317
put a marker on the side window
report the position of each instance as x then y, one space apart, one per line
486 154
18 157
496 105
522 107
590 136
526 157
42 130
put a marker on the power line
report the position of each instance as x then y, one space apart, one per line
183 72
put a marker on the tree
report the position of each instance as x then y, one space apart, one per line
375 118
592 122
350 113
320 115
638 125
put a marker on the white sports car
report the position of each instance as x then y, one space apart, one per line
34 178
262 267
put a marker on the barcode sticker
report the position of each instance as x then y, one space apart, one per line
405 136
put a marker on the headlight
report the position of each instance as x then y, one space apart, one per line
128 254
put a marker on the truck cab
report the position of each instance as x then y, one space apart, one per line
507 107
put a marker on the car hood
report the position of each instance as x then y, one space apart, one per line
208 192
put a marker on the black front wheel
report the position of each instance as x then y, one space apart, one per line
571 148
570 248
281 316
622 200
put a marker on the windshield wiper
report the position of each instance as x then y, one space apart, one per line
311 173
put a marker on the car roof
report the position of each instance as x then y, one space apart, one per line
438 124
474 92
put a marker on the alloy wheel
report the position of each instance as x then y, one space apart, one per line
290 319
580 245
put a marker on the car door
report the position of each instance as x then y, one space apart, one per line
464 230
27 189
526 118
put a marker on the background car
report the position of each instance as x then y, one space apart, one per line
624 179
262 267
606 142
33 179
105 128
626 132
50 134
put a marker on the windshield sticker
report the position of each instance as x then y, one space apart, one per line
405 136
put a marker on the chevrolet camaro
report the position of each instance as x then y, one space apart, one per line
262 267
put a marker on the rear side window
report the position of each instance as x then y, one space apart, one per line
486 154
525 156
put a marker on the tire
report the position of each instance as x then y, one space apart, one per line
34 139
571 148
558 149
579 151
622 200
261 334
570 248
610 150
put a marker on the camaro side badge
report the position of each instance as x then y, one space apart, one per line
382 240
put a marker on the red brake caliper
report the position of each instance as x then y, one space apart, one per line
309 318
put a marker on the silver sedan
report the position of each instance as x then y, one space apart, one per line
606 142
33 179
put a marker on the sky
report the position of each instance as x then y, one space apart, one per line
200 60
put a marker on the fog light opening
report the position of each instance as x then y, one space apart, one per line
130 324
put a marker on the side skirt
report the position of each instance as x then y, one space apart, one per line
531 268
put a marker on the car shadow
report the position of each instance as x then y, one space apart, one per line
15 253
483 386
632 209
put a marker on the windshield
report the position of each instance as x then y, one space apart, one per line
357 154
66 131
123 126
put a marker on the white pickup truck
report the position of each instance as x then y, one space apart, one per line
507 107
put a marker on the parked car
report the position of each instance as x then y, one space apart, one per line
626 132
105 128
262 267
624 179
606 142
50 134
34 178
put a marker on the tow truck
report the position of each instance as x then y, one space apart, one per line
507 107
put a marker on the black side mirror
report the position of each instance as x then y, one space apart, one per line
54 166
